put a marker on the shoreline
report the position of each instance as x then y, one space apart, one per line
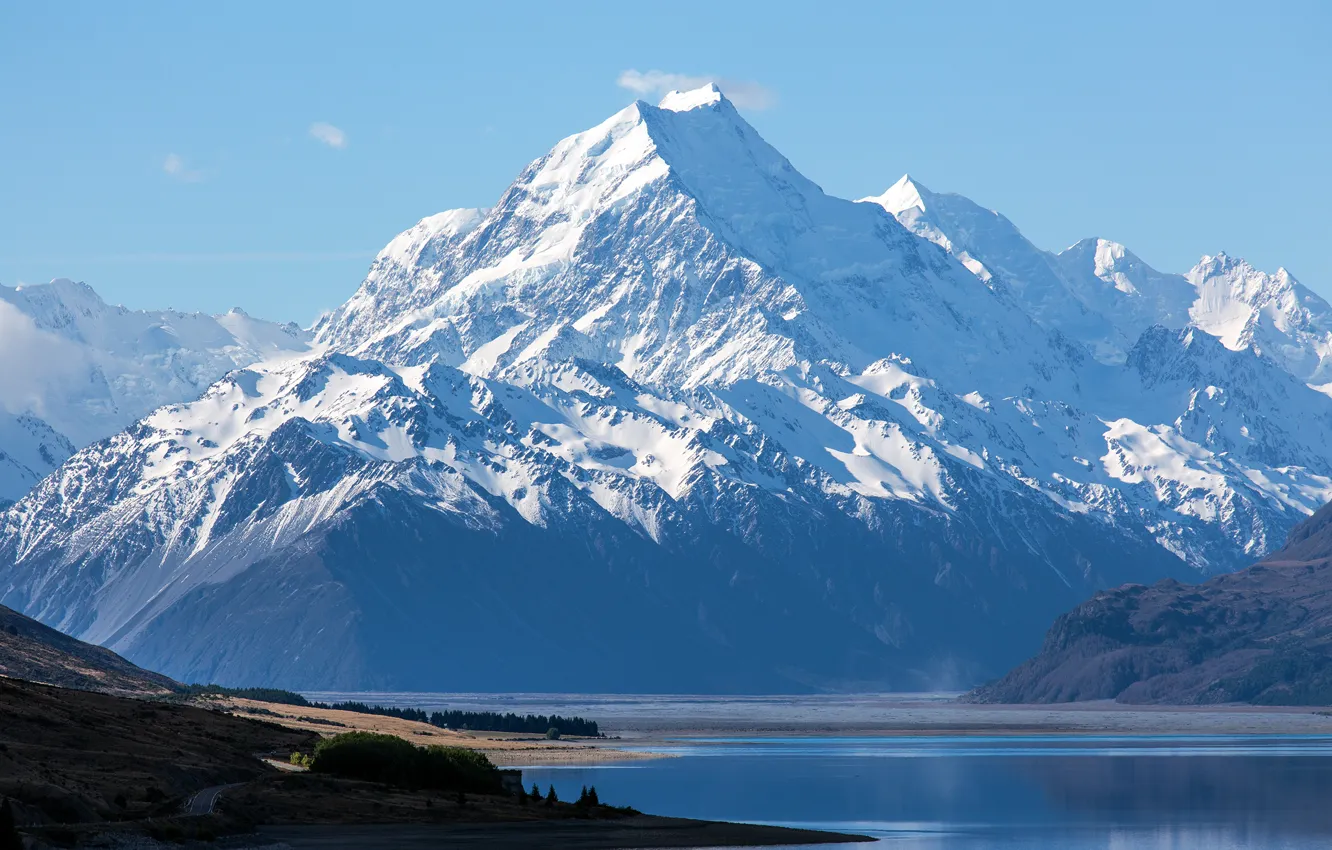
638 831
890 717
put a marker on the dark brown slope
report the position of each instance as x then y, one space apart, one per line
37 653
1262 635
79 766
70 756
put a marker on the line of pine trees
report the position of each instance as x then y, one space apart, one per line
480 721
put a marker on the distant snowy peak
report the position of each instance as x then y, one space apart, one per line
1108 261
915 207
903 195
75 312
1272 313
1113 281
1100 294
91 368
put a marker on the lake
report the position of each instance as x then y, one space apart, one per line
976 793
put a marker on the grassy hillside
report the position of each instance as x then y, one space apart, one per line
38 653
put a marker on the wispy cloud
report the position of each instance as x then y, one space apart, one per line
745 94
326 133
48 362
175 167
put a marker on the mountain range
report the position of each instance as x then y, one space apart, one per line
90 369
668 417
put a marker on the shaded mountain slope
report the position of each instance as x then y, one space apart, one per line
1262 635
37 653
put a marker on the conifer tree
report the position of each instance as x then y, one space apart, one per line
551 797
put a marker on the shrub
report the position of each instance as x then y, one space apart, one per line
552 734
259 694
389 759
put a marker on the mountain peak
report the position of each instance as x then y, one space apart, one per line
1220 261
684 101
903 195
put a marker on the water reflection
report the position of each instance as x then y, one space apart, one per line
981 793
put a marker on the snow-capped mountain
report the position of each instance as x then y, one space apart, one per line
1272 314
1101 295
89 369
669 417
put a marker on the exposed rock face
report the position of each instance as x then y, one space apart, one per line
1262 635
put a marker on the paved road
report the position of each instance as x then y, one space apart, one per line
203 802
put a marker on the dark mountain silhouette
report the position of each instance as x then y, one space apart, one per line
1262 635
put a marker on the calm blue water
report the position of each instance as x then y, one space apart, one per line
945 793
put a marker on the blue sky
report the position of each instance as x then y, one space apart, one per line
260 154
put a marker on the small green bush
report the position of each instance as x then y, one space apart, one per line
389 759
552 734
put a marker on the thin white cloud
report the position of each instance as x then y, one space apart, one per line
174 166
745 94
48 362
328 134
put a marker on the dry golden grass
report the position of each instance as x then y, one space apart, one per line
502 748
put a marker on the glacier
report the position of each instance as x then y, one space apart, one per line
668 417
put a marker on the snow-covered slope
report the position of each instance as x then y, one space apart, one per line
29 450
1100 294
1270 313
668 416
79 369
